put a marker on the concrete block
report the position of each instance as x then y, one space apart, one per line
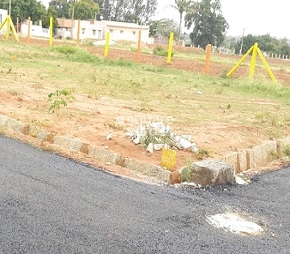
264 153
14 125
68 143
242 161
250 159
146 169
102 155
232 159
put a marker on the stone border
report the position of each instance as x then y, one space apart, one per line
78 145
241 161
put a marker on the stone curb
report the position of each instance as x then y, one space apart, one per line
241 161
77 145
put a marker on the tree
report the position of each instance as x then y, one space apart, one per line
83 9
266 43
24 9
162 27
135 11
51 12
61 7
209 24
183 6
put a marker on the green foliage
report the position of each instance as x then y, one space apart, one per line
138 11
209 25
286 150
59 98
120 62
163 27
76 54
24 9
266 43
61 7
203 153
84 9
186 172
155 137
160 51
51 12
66 49
183 6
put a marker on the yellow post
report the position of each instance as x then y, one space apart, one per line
239 62
28 32
50 31
13 30
78 32
139 48
207 58
3 23
253 61
106 52
170 48
7 27
168 159
270 73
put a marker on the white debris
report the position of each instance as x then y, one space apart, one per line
158 147
157 135
241 181
185 144
194 148
235 224
150 148
109 136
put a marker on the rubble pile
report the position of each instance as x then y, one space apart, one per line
157 135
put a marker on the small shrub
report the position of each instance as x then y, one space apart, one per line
59 98
187 172
286 150
76 54
160 51
203 153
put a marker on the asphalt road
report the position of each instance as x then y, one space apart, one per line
50 204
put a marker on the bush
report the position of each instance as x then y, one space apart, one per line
160 51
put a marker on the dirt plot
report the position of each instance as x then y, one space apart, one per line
92 123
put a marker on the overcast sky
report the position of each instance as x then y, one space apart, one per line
255 17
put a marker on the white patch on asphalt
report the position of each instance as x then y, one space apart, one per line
235 223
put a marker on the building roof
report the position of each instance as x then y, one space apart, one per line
67 23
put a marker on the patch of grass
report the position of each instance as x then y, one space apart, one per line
187 171
203 153
76 54
286 150
160 51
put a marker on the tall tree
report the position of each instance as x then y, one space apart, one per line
162 27
135 11
83 9
183 6
24 9
61 7
209 24
51 12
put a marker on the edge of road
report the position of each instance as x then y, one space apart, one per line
241 161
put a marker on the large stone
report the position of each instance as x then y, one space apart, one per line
212 172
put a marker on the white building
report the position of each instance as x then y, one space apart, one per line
3 15
97 30
35 30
